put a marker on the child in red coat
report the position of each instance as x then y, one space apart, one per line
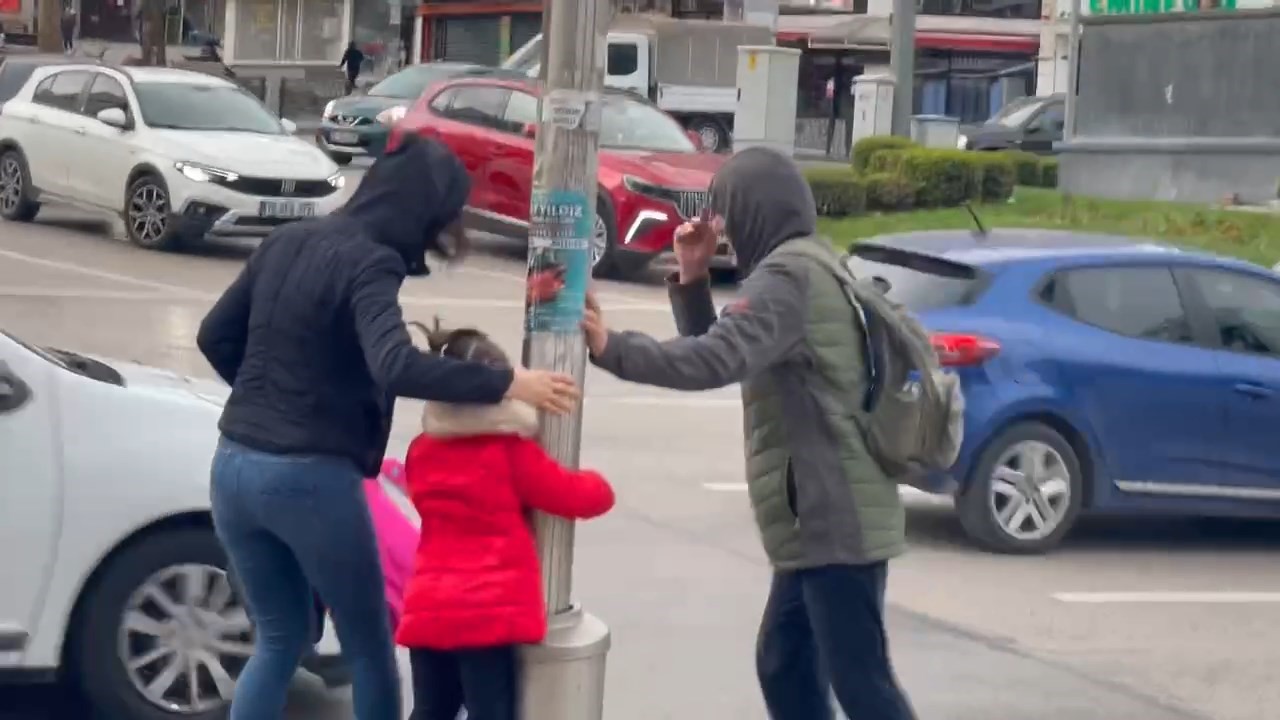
476 591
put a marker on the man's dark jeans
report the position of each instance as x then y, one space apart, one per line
824 628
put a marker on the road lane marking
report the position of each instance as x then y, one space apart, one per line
672 401
103 274
1168 597
906 492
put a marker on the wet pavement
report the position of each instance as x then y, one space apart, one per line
676 569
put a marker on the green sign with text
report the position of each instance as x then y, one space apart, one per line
1153 7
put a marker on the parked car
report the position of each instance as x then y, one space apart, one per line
177 155
359 124
113 576
1032 124
1101 374
653 175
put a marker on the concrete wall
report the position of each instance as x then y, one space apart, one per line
1180 107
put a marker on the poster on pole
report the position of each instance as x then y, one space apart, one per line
559 261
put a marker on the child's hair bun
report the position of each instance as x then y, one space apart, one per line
437 337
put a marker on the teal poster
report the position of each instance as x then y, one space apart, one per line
559 261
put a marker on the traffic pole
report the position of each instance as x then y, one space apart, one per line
902 63
1073 73
563 678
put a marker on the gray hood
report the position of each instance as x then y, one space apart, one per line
765 201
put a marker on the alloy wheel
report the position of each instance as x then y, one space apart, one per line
184 638
599 240
1030 490
148 213
10 184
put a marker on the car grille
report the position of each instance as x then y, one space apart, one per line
350 120
276 187
690 202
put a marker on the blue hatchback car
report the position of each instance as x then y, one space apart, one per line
1102 374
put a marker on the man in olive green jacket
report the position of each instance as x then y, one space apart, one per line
828 517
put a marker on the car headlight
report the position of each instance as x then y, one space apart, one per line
338 180
392 115
204 173
636 185
962 142
328 109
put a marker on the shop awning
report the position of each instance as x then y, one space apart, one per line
868 32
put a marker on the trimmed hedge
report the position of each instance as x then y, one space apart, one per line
888 192
865 150
1049 173
945 178
999 174
837 191
1026 166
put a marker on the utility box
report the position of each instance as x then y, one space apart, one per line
872 106
935 131
768 80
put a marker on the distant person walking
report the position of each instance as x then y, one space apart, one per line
68 30
351 62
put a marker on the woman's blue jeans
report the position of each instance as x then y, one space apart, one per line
291 523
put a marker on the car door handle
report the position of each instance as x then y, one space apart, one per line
79 131
1254 390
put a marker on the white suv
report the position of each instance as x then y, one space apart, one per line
175 154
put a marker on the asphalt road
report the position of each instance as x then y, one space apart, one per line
1093 632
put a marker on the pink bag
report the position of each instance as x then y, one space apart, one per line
396 527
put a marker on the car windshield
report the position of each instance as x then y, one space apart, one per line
409 84
627 124
917 282
182 106
1016 113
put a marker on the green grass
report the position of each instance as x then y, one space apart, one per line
1253 236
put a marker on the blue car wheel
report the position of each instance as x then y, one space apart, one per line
1024 493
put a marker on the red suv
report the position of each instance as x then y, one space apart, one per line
652 174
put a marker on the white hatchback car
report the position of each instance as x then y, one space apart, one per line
112 575
175 154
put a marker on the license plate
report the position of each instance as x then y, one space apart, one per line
342 137
286 209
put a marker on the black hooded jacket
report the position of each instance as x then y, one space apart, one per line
310 335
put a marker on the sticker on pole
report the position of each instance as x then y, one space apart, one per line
565 109
559 269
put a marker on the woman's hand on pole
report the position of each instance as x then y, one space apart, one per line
551 392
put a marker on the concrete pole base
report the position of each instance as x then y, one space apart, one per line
563 678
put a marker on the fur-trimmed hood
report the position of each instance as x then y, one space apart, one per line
509 417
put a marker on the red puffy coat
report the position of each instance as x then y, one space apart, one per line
472 475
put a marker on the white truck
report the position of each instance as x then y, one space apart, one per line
687 67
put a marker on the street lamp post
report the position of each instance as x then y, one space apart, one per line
1073 72
563 678
902 63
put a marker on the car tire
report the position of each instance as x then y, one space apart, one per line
342 159
15 188
149 220
102 640
998 515
713 135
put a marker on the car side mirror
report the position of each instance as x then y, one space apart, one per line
529 130
694 138
114 117
289 126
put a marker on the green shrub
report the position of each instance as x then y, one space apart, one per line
837 191
887 161
998 175
1049 173
1026 166
868 147
889 192
945 178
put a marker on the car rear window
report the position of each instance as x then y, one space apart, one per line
918 282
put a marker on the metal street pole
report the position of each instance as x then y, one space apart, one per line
902 62
563 678
1073 73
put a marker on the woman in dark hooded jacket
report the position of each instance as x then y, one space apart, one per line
312 340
